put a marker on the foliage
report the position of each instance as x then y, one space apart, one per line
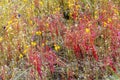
63 39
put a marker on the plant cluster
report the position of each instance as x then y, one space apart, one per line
59 40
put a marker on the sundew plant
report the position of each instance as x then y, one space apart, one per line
59 40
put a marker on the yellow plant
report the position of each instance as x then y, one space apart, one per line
57 47
105 24
26 49
20 56
1 39
33 43
109 20
38 33
87 30
41 3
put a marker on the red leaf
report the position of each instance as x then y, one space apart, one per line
94 52
36 61
109 62
51 60
113 67
77 51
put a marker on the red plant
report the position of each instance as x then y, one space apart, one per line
94 52
109 62
51 60
78 51
47 56
35 59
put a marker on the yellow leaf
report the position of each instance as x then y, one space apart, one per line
33 43
20 56
9 22
41 3
57 47
25 0
109 20
105 24
1 39
87 30
38 33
